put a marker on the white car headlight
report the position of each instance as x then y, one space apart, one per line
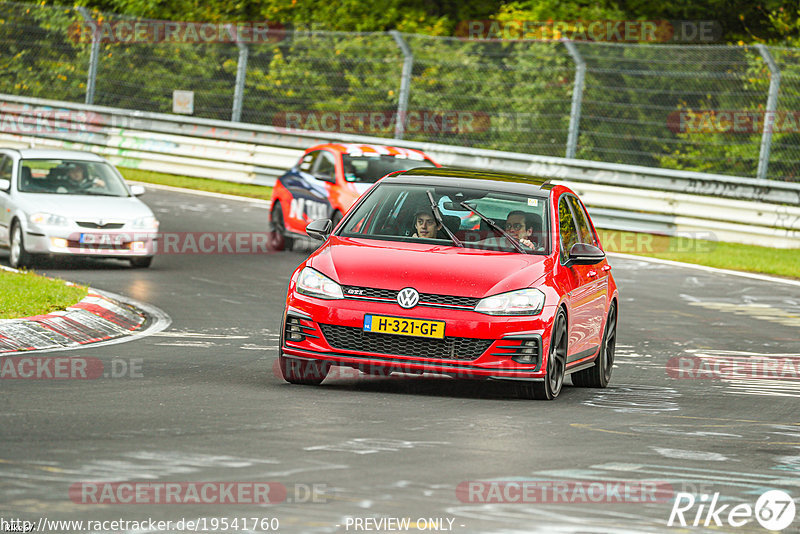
48 219
520 302
150 223
316 284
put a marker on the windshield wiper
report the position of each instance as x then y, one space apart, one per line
439 219
493 225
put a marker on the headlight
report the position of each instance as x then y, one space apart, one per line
48 219
316 284
520 302
146 222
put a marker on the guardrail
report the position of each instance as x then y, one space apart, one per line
623 197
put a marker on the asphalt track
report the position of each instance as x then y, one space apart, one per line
207 406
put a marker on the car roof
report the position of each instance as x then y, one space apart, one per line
369 149
46 153
499 181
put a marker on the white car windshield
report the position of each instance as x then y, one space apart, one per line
69 177
475 218
370 169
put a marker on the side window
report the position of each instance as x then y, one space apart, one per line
308 161
5 167
325 166
586 234
566 228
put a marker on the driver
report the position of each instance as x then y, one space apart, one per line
78 180
520 226
425 225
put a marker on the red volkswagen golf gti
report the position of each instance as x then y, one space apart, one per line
463 273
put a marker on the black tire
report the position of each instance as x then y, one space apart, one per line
556 364
303 372
18 257
600 375
279 238
141 263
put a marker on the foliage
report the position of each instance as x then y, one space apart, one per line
516 94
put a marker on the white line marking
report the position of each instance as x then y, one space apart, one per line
199 335
762 277
198 192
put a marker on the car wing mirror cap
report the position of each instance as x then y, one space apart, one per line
584 254
138 190
319 229
5 184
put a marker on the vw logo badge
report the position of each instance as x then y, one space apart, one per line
408 298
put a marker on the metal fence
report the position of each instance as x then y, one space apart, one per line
731 110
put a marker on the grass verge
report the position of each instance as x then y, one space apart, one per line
749 258
25 294
203 184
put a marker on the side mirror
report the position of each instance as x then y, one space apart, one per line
138 190
5 184
584 254
319 229
326 178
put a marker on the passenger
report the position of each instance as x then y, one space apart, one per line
425 225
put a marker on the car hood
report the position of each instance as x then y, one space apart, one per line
85 207
427 268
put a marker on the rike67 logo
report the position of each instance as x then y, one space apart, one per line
774 510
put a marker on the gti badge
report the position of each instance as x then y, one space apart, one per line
408 298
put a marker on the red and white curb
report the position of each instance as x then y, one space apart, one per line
100 318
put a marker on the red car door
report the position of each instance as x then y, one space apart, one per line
595 276
581 289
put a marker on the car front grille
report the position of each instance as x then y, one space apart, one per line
425 299
94 247
107 226
449 348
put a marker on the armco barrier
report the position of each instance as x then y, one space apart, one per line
623 197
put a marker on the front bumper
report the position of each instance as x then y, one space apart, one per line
475 346
107 244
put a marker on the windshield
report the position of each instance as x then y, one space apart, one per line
370 169
402 212
69 177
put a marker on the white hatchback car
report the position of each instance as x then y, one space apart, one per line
62 202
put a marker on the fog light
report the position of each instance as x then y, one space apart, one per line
59 242
138 246
294 329
528 352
